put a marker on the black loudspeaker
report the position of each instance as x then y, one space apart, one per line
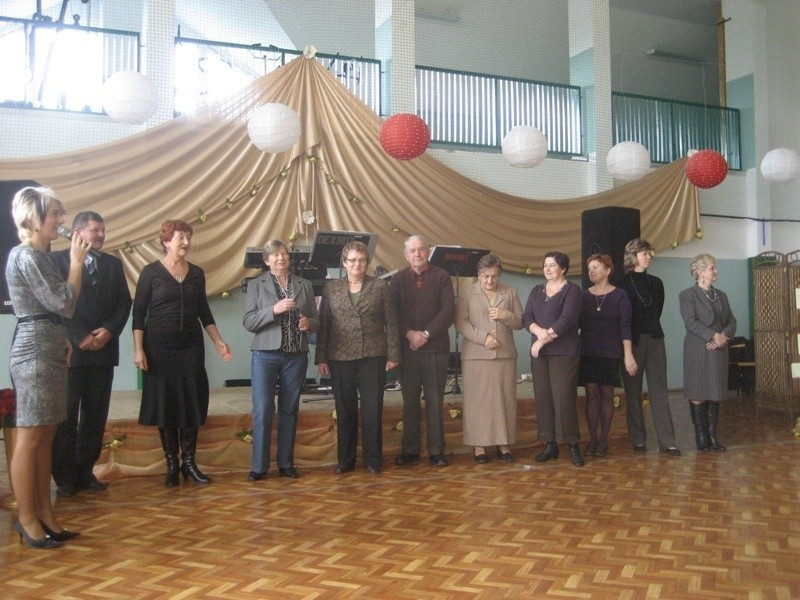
8 233
606 231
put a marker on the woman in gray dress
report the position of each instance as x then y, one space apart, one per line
39 357
709 325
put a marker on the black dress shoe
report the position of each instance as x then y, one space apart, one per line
289 472
601 451
373 470
253 476
406 459
65 491
639 448
575 455
60 536
550 451
505 456
438 460
93 484
673 451
481 459
341 469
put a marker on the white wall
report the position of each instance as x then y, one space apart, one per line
528 39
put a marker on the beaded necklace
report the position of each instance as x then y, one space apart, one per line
649 303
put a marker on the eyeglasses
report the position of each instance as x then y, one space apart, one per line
360 261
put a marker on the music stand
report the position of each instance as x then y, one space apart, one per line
458 262
327 249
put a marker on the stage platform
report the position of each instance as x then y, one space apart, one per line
223 445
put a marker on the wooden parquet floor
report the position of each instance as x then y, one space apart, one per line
630 526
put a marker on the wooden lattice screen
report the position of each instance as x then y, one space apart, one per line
776 326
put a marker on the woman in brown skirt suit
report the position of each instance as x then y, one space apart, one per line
487 315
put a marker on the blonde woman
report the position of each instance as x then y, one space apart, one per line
40 356
710 324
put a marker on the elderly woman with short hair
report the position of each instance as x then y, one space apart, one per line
281 311
710 324
487 315
358 341
170 312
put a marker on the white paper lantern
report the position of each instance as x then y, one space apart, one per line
628 161
524 146
130 97
274 127
780 165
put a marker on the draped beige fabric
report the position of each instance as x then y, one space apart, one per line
202 168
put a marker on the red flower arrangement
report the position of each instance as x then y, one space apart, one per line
8 407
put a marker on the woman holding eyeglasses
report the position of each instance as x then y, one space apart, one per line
358 341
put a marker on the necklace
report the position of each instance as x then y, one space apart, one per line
599 299
649 303
710 299
178 271
548 297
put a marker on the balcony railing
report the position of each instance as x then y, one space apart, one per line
207 71
57 66
669 129
477 110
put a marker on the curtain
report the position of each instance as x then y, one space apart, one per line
203 169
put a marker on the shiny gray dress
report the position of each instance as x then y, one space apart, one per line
38 360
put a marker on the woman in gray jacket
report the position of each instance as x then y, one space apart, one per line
281 312
710 324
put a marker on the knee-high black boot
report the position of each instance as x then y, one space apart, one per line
189 467
169 442
700 422
713 417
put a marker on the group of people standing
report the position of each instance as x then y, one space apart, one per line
71 307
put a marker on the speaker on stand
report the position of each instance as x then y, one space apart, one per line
606 231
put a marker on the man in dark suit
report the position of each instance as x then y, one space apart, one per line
423 296
100 316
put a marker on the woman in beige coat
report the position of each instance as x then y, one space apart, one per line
486 315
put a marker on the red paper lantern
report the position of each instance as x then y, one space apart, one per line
405 136
706 168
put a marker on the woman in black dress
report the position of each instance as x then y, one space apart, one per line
170 311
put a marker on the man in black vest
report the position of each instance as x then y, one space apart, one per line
100 316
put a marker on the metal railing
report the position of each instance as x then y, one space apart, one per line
475 109
57 66
208 71
669 129
39 59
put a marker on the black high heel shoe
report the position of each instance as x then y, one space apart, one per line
60 536
190 470
45 542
